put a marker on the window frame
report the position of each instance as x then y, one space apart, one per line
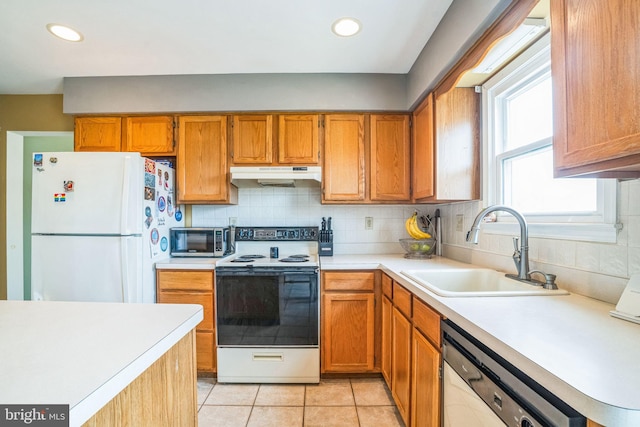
601 226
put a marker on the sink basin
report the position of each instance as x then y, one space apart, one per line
475 282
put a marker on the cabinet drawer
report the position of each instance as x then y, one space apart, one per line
402 299
387 286
205 352
348 281
427 321
203 298
188 280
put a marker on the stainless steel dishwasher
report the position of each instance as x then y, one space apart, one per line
482 389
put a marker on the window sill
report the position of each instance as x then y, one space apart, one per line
601 233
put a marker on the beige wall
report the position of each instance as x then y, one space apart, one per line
23 113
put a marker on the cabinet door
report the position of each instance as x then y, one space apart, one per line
150 136
458 145
389 167
343 162
205 299
348 332
205 351
298 139
202 171
97 133
401 363
422 151
596 102
425 383
252 139
387 316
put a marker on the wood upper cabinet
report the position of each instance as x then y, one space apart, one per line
202 169
344 158
348 322
457 136
596 96
423 151
193 287
97 133
298 136
390 153
150 136
252 139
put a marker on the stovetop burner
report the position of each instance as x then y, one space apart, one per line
245 260
299 256
251 256
294 259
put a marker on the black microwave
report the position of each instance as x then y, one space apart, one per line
200 242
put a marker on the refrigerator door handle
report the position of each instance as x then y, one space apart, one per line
124 260
124 212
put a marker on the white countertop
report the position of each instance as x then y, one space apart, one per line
569 344
188 263
83 354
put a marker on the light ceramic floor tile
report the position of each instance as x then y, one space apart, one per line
223 416
276 416
330 393
280 395
330 416
232 394
379 416
371 392
204 387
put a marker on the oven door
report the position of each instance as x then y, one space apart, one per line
267 306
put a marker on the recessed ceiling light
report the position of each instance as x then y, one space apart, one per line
64 32
346 27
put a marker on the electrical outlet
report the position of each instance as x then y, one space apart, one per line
233 221
459 222
368 223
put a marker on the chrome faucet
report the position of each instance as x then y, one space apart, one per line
520 255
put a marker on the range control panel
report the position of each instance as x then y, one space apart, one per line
249 234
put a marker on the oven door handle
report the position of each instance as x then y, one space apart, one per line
264 271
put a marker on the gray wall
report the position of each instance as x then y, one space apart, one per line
461 26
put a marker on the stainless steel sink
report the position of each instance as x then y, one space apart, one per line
475 282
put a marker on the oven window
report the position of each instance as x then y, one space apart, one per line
267 310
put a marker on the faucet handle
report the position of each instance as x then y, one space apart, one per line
515 244
549 279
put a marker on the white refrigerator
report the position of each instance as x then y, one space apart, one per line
100 221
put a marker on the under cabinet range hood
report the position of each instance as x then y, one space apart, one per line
276 176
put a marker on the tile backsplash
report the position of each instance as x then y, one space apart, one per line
302 207
597 270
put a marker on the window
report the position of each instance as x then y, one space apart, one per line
518 138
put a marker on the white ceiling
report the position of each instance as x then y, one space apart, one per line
165 37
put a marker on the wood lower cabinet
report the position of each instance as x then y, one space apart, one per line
411 354
426 360
202 173
98 134
401 331
348 342
595 65
193 287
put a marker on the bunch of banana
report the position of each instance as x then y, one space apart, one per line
411 224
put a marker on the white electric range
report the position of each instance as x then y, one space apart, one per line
268 307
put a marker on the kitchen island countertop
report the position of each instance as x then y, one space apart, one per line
83 354
568 343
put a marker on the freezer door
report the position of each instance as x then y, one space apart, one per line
85 268
87 193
